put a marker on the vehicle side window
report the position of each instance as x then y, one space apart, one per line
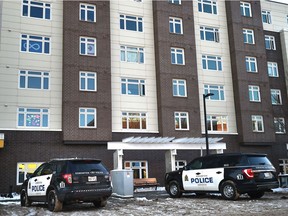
233 160
39 170
211 163
47 170
195 164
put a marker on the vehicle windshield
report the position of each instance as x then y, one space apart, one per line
258 160
86 166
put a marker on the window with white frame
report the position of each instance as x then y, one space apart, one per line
217 90
181 120
33 117
209 34
248 35
180 164
34 80
35 44
266 17
276 97
132 54
279 125
88 81
251 64
140 168
177 2
175 25
207 6
23 168
179 88
177 56
131 23
245 8
87 117
254 93
88 46
134 120
211 62
272 69
257 123
132 86
36 9
270 42
217 123
87 12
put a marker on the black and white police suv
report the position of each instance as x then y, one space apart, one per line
229 174
64 181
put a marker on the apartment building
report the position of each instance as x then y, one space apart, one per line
76 75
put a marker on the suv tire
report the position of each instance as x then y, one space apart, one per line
54 204
24 199
100 203
174 189
229 191
256 194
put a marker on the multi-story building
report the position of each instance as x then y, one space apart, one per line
76 75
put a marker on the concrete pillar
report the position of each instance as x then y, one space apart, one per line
118 159
170 157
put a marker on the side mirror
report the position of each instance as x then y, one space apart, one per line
29 175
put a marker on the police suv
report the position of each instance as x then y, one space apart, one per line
229 174
66 181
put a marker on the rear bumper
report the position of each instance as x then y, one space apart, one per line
258 187
85 195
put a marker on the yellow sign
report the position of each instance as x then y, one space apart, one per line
1 143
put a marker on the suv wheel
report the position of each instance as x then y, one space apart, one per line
53 203
256 194
174 189
229 191
24 199
100 203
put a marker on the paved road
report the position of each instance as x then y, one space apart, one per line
159 203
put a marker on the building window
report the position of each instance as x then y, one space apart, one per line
87 118
87 46
87 13
133 87
251 64
266 17
175 25
177 56
35 44
180 164
131 23
36 9
177 2
217 123
140 168
217 90
279 124
254 93
88 81
209 34
276 97
33 118
211 63
179 88
23 168
283 166
134 120
132 54
248 35
257 123
270 42
272 69
207 6
34 80
245 8
181 121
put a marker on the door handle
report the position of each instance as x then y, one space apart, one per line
198 173
35 180
219 172
48 177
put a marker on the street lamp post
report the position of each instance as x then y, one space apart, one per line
205 120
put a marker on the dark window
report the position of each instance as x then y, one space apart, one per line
195 164
258 160
234 160
86 166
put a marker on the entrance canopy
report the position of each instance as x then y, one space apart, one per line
170 144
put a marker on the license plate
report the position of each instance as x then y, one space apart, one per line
92 178
267 175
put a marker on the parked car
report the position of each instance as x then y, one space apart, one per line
64 181
229 174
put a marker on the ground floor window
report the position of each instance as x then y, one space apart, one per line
140 168
24 168
180 164
283 166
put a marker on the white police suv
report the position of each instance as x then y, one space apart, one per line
67 181
229 174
